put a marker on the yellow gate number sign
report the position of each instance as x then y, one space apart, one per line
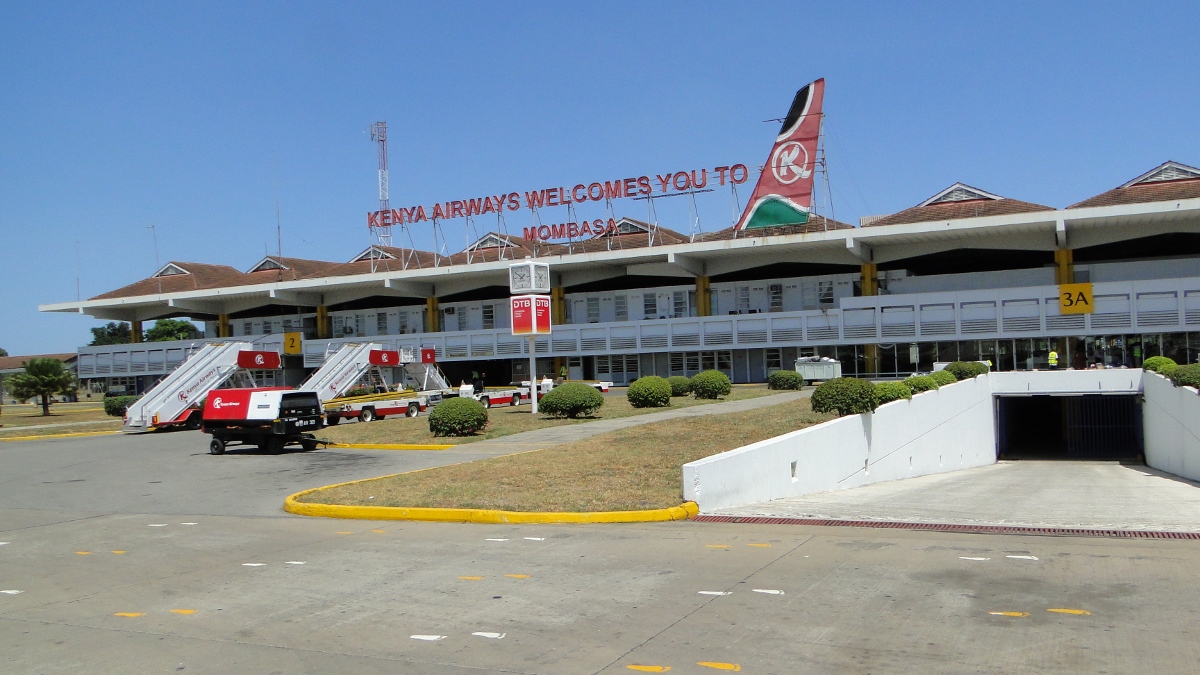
1075 299
292 343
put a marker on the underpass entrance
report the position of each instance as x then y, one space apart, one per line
1102 427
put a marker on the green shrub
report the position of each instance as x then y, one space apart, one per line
680 385
844 396
943 377
965 370
571 399
117 405
649 392
1186 376
458 417
919 383
357 391
886 392
785 379
1159 364
711 384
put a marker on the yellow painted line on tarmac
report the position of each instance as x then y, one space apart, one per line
716 546
390 446
343 532
517 576
1017 614
760 545
1077 612
379 531
720 666
46 436
120 552
83 552
183 611
649 669
130 615
471 578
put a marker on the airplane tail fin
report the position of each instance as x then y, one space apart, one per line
783 195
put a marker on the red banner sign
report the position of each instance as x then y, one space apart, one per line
383 357
428 355
258 360
530 314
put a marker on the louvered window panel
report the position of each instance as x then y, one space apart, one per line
654 341
508 347
623 342
593 344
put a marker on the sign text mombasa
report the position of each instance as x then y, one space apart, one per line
580 193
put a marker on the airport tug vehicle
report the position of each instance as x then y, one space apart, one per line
269 417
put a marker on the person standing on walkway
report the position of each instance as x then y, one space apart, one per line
1052 359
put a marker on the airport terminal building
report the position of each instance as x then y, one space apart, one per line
964 274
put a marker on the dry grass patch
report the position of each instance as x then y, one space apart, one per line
504 421
632 469
67 417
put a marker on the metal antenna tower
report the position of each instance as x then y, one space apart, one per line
383 231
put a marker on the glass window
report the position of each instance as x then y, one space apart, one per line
692 362
247 328
676 362
287 325
403 322
776 293
649 305
825 292
593 310
489 317
381 323
680 304
774 360
725 361
622 308
708 360
631 363
743 299
267 327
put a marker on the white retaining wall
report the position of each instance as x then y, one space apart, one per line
943 430
1171 427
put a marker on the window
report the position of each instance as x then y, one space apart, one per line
677 363
680 304
489 317
381 323
743 299
825 292
631 363
774 360
776 292
708 360
649 305
287 325
691 300
622 308
725 361
602 365
593 310
267 327
692 362
247 328
403 322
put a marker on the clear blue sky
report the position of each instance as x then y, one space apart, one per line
117 116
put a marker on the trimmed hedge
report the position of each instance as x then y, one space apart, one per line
680 385
943 377
919 383
1186 376
458 417
117 405
965 370
651 391
886 392
785 379
711 384
571 399
1159 364
844 396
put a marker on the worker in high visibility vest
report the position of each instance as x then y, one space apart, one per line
1052 359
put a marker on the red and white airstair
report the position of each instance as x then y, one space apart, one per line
170 401
347 365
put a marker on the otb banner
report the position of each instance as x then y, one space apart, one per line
783 195
530 314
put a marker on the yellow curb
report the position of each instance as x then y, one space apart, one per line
389 446
74 435
684 511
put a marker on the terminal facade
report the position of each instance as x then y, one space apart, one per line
964 274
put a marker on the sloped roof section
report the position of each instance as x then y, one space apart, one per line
959 201
1166 182
194 277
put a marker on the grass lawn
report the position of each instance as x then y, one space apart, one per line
67 418
630 469
503 421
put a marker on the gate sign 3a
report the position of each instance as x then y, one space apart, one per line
530 314
383 357
1076 299
252 360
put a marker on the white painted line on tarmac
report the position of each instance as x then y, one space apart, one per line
966 557
157 525
253 564
189 523
1022 557
495 540
12 592
3 543
535 539
715 592
768 591
490 636
428 638
295 562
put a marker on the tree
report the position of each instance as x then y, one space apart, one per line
171 329
112 333
3 351
42 377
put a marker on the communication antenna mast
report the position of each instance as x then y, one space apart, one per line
383 231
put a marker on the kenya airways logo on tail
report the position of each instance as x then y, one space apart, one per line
783 195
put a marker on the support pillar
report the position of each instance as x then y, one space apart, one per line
223 326
1064 271
870 286
558 306
323 327
433 319
703 297
137 330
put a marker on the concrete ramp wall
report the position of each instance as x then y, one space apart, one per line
1171 427
947 429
